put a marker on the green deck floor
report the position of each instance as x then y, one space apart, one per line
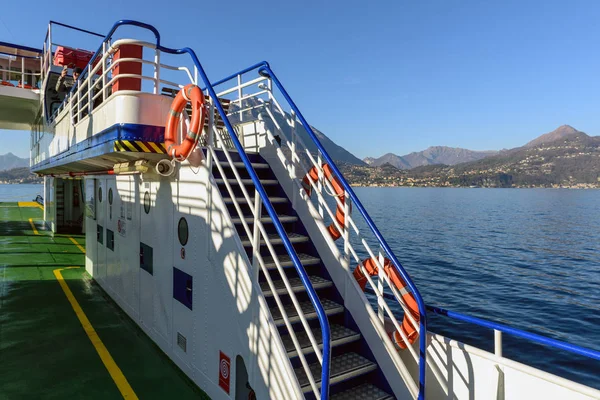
44 350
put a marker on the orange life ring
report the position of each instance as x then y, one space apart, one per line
6 83
313 175
190 93
409 300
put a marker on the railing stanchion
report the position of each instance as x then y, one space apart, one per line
256 234
157 71
498 342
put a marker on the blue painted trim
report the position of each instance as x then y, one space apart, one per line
148 133
19 47
76 28
517 332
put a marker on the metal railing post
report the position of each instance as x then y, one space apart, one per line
156 71
498 342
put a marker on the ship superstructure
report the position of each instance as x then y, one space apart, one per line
246 257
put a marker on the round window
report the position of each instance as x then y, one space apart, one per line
147 202
100 194
110 196
182 231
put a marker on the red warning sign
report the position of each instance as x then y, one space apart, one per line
224 371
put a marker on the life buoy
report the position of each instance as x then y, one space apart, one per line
6 83
190 93
409 300
313 175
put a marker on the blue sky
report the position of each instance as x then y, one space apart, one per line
381 76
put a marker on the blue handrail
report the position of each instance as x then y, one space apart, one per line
583 351
358 205
312 294
264 68
517 332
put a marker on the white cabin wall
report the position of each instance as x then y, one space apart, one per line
228 313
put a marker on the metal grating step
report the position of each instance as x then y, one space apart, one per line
240 164
286 261
363 392
267 219
234 181
296 284
339 335
242 200
343 367
276 239
330 307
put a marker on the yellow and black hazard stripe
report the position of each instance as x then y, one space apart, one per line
139 146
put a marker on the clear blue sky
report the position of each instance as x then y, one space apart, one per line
381 76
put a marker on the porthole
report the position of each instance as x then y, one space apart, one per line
182 231
110 196
147 202
100 194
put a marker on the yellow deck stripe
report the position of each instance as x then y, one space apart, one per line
155 147
77 244
33 226
112 367
118 146
29 204
129 145
143 146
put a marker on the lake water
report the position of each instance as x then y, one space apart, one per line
24 192
529 258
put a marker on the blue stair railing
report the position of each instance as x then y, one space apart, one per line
312 294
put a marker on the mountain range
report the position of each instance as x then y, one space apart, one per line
10 161
430 156
565 157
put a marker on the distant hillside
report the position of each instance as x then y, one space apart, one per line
565 157
19 175
430 156
10 161
559 133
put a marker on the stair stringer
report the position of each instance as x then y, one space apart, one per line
236 301
392 365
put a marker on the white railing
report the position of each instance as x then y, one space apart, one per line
293 154
257 235
99 78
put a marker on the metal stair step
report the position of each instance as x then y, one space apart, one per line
343 367
296 284
267 219
286 261
242 200
240 164
276 239
330 307
365 391
339 335
233 181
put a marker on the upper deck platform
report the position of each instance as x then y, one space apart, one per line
20 73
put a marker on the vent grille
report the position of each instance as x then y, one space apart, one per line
182 342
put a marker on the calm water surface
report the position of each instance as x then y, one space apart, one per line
24 192
525 257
